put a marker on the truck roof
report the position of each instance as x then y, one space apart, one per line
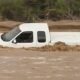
33 26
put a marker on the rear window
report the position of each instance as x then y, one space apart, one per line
41 36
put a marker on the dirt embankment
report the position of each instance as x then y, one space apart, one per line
63 25
7 25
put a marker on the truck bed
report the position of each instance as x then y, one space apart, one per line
70 38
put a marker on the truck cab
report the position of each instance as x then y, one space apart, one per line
26 35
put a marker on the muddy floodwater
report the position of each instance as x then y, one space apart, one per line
20 64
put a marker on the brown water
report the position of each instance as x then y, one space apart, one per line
19 64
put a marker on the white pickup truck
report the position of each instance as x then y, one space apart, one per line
36 35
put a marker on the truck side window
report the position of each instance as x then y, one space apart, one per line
41 36
25 37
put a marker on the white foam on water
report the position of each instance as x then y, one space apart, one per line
8 71
45 77
59 75
38 58
40 62
57 68
68 67
56 59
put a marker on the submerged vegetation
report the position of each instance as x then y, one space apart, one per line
32 10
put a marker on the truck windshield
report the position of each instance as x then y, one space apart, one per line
11 34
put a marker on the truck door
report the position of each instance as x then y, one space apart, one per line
25 39
41 38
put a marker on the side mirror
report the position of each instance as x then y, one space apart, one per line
14 41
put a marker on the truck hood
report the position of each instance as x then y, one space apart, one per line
2 43
1 34
0 38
